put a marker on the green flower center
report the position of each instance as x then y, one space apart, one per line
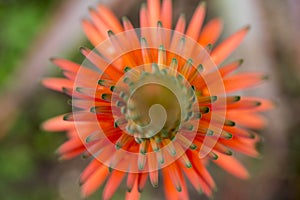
156 103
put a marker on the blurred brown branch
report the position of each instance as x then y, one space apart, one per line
61 33
271 47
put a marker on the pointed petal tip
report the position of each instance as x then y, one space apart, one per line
200 192
204 109
125 18
213 156
188 165
56 152
110 33
60 158
84 195
258 103
229 136
241 61
144 6
66 117
247 28
202 4
213 98
259 156
237 98
80 183
53 59
246 176
93 109
209 47
215 189
84 20
229 123
83 49
43 127
143 40
179 188
100 82
182 15
159 24
265 77
90 8
252 135
65 90
112 88
78 89
85 156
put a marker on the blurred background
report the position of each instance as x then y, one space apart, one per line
32 31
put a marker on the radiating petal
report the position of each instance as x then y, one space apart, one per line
222 51
211 32
196 22
232 165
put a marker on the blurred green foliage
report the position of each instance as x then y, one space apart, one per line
20 21
27 153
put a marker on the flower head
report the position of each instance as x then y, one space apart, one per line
153 100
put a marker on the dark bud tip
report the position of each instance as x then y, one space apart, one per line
110 33
100 82
241 61
202 4
209 47
214 98
125 18
237 98
66 117
159 24
265 77
247 28
178 188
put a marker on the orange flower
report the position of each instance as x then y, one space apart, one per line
153 100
